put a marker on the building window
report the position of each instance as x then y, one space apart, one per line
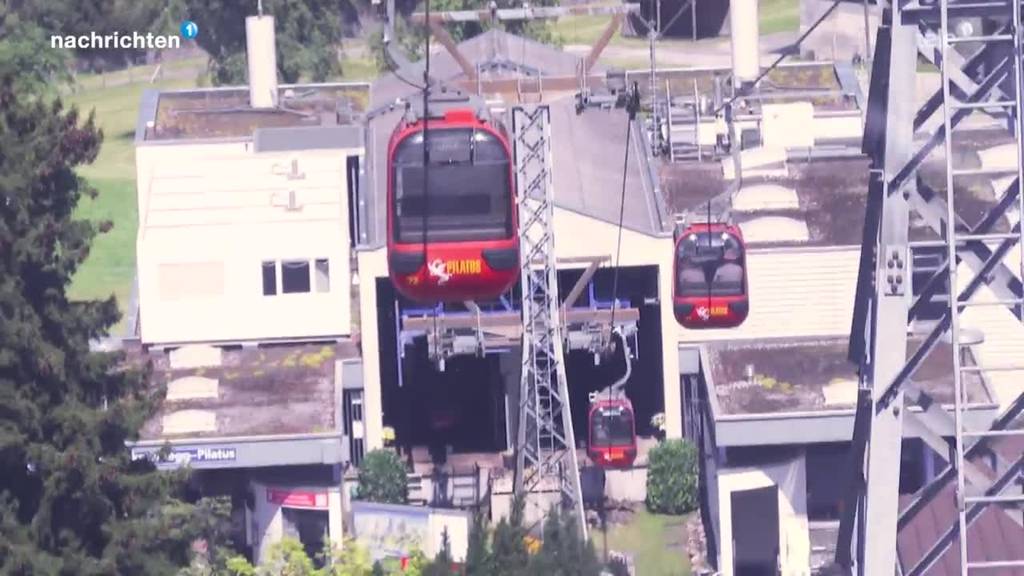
322 269
294 276
297 276
269 278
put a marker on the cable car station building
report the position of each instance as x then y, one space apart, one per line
265 307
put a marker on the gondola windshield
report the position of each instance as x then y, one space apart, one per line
611 427
710 263
470 188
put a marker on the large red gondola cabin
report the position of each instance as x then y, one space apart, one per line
711 277
611 439
455 238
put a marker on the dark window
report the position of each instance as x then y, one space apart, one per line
309 527
710 264
294 276
611 427
465 195
269 278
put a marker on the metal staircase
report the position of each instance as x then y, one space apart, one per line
683 126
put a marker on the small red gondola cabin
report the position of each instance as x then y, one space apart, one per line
611 440
711 277
452 229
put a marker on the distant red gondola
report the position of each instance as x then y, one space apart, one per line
455 238
711 277
611 441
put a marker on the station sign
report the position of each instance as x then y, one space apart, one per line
176 457
316 500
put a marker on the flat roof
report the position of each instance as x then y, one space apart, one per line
800 376
225 112
272 390
831 195
815 82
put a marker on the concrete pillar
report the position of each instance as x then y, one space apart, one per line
372 265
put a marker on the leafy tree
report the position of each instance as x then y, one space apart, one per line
72 501
69 18
351 560
286 558
672 477
28 61
382 478
308 33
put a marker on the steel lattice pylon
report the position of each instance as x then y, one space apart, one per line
546 445
983 74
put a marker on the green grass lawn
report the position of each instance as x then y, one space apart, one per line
657 542
779 16
362 68
110 267
582 29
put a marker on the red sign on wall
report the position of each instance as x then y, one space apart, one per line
298 498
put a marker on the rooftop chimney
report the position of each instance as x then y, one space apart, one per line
262 60
746 61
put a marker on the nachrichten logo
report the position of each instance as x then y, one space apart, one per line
134 41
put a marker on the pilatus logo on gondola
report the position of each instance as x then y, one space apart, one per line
705 313
443 270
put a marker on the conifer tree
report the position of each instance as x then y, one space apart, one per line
71 499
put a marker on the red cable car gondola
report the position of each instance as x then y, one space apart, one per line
612 433
456 238
611 422
711 277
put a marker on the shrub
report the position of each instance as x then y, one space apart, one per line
672 477
382 478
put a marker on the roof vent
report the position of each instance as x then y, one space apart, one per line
262 60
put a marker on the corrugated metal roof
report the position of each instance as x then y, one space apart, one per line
794 293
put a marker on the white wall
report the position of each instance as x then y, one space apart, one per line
626 485
209 223
241 310
794 535
372 265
